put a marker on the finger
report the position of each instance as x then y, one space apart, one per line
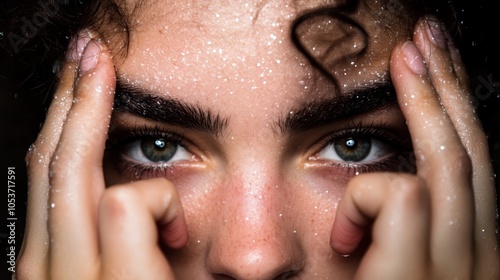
399 208
441 160
447 73
129 218
77 166
38 158
355 213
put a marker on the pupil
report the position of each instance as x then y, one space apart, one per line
351 143
158 150
160 143
353 149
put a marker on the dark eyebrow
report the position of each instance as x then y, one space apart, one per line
319 113
138 101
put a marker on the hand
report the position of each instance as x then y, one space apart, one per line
440 222
76 227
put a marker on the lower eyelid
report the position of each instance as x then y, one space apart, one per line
133 170
320 161
389 163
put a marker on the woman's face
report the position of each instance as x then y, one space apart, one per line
215 97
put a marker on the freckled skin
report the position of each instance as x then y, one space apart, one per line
251 211
258 190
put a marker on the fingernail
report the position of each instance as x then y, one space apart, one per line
414 59
90 56
77 46
436 33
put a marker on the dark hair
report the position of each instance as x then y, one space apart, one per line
34 35
38 33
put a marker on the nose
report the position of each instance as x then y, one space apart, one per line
252 239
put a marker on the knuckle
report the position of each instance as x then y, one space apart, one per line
29 158
458 162
28 267
463 162
116 201
411 188
369 187
39 151
36 156
23 269
408 183
56 171
365 180
65 160
163 189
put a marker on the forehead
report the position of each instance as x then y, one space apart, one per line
208 48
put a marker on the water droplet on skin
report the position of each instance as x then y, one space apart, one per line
451 197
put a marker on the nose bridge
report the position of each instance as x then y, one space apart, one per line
252 197
252 240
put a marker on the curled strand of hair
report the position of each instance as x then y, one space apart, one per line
337 12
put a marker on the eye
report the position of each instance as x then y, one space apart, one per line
155 150
355 149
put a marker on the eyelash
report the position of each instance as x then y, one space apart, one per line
117 139
401 145
121 137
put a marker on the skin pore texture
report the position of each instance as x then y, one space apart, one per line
255 201
216 150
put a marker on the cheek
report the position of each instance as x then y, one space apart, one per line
199 197
318 196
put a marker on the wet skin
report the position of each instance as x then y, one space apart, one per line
264 166
257 196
